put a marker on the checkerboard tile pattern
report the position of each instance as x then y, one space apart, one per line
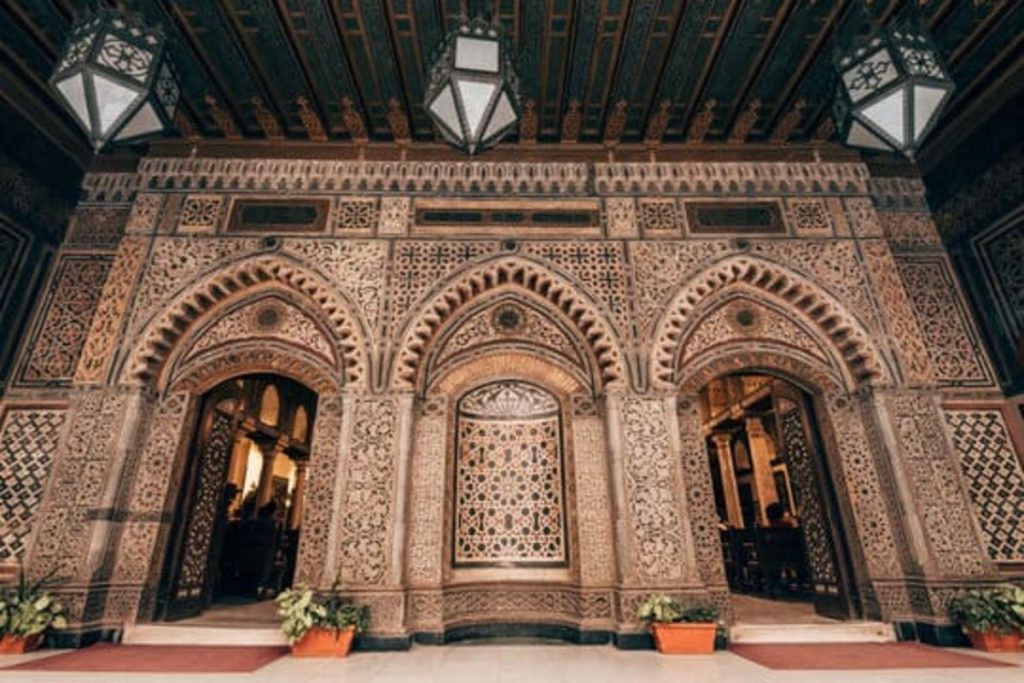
994 477
28 440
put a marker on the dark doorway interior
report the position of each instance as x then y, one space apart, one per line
782 537
240 507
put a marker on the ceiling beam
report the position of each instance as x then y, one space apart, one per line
835 18
709 64
776 30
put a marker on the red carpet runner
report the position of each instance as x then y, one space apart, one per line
858 656
183 659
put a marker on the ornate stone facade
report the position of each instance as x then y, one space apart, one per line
397 330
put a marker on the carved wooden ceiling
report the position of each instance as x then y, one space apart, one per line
593 71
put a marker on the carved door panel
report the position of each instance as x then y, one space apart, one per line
819 518
201 524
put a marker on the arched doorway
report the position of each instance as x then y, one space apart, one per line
239 509
783 545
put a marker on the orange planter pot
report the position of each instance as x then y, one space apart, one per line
16 645
324 642
991 641
684 639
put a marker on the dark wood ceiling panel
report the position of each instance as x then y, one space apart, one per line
257 25
689 45
751 34
311 27
806 39
591 70
651 29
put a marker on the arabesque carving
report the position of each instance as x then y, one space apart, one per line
848 337
160 335
515 272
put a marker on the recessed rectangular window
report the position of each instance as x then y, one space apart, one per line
734 218
277 215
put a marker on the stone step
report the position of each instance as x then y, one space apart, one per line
171 634
840 632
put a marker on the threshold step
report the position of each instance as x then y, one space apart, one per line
169 634
845 632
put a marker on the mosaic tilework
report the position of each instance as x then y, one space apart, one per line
28 440
994 477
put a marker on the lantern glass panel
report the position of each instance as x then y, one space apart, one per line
860 136
476 54
475 96
73 91
144 122
888 115
443 107
926 106
503 116
112 100
869 75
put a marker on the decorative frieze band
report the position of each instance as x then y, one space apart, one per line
731 177
364 176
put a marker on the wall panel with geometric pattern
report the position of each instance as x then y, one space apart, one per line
64 318
509 482
28 440
994 477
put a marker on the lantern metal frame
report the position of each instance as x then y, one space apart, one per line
901 60
124 58
453 66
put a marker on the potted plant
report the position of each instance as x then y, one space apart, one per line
320 625
992 618
679 631
27 610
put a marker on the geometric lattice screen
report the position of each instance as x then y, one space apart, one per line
994 477
28 440
509 489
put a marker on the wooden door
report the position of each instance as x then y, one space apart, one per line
819 518
202 511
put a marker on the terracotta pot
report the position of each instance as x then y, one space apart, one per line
990 641
16 645
324 642
684 639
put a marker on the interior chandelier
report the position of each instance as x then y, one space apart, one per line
473 95
115 77
891 86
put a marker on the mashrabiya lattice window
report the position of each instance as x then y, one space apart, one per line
509 478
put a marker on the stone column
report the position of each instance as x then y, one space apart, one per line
298 495
403 465
620 518
762 452
723 448
265 489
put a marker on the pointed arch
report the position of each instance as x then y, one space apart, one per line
508 272
220 289
536 327
846 337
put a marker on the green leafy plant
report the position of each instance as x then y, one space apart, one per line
999 609
28 609
301 609
661 609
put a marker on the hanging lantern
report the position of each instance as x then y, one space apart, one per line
115 77
473 95
890 89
